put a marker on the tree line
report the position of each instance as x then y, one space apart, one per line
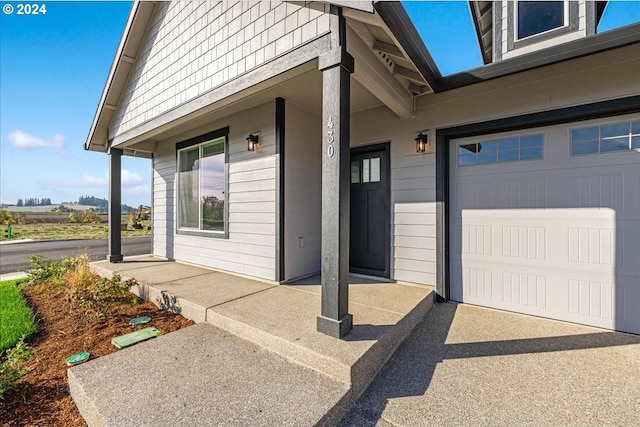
99 203
34 201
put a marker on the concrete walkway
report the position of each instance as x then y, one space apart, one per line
470 366
206 365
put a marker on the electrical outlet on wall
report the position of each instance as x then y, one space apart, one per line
301 242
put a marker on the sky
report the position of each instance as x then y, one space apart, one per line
53 68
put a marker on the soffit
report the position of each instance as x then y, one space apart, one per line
482 16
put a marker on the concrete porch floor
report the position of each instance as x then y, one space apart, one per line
279 321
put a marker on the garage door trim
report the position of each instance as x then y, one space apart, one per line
590 111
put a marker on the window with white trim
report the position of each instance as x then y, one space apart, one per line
605 138
526 147
537 17
201 187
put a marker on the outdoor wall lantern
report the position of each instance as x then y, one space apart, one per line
422 141
253 141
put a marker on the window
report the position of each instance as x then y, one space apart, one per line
527 147
365 170
201 186
605 138
532 22
536 17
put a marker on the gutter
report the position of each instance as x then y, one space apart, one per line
396 18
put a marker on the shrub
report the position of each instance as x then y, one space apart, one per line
5 217
89 216
43 269
14 367
94 293
73 217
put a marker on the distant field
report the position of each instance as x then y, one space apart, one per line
40 223
56 217
49 231
47 208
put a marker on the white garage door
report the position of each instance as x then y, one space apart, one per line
547 222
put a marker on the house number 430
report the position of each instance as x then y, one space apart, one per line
330 138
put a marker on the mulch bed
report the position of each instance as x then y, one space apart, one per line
42 398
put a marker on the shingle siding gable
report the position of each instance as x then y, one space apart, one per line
192 47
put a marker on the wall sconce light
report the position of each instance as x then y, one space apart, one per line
422 141
253 141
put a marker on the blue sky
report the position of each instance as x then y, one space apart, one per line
53 69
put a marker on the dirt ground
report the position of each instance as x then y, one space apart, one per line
41 398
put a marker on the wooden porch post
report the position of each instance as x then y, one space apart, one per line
336 66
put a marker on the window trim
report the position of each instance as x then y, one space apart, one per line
571 24
600 139
518 137
196 141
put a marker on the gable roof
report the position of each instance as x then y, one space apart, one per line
132 36
404 34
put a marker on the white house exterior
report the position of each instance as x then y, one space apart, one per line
525 198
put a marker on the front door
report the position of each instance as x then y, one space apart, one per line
369 230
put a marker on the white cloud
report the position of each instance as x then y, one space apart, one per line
25 141
95 181
129 179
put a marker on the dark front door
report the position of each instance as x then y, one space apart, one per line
369 235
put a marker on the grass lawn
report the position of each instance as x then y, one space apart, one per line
17 319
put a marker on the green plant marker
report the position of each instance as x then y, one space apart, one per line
140 320
77 358
135 337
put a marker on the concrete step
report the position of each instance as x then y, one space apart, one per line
281 319
203 376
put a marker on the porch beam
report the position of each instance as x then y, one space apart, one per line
336 66
115 205
378 78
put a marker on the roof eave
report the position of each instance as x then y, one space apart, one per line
476 18
397 20
590 45
136 25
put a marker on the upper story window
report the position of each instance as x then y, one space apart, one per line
526 147
605 138
532 22
536 17
202 183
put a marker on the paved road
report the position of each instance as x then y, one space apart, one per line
15 256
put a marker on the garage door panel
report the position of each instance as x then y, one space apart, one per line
556 237
627 297
628 251
581 298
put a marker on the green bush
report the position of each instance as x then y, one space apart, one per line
18 321
43 269
14 367
96 294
